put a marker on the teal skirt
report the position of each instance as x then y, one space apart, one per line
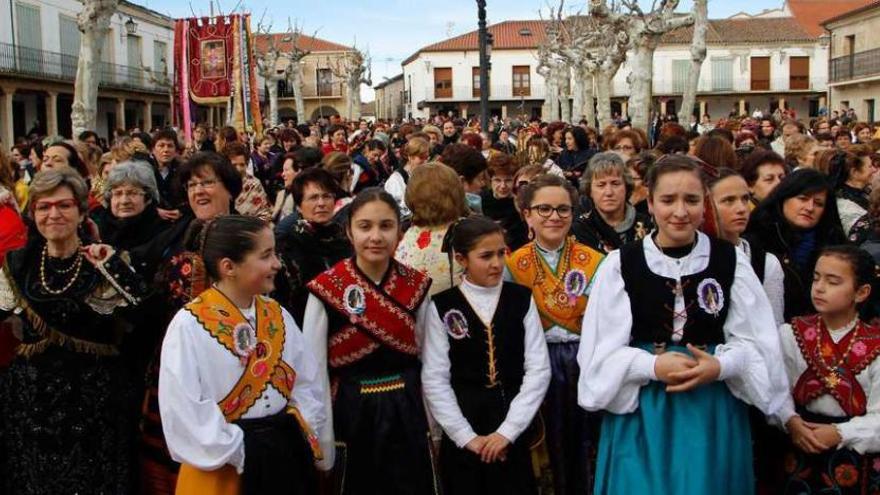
693 443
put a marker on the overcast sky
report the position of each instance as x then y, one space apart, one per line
394 29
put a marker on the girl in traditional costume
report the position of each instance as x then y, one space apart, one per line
559 270
238 391
832 365
361 324
674 340
486 368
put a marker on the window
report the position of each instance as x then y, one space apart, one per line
325 82
722 74
30 43
681 70
799 72
870 108
443 82
475 82
70 39
135 58
522 80
760 73
160 61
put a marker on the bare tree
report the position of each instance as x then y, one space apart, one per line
698 55
645 31
594 46
354 68
296 54
94 23
272 67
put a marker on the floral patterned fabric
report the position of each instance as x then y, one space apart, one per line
838 472
253 200
420 249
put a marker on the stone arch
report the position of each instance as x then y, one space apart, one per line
324 111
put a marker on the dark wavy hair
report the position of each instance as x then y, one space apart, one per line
219 164
768 220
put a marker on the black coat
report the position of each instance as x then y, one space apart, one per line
306 251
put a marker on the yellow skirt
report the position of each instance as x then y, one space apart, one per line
193 481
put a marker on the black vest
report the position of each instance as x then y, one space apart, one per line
483 405
652 300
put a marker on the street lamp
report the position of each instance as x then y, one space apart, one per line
485 53
131 27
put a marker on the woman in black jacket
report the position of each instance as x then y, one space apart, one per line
576 154
795 222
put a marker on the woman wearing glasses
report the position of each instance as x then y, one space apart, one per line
558 270
212 183
65 417
130 217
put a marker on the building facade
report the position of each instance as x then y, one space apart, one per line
854 68
39 49
323 87
776 59
390 96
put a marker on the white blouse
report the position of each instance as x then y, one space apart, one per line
197 372
861 433
315 331
436 369
612 372
774 281
396 187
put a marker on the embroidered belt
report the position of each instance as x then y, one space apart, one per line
382 385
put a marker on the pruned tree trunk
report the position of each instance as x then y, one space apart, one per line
641 80
588 108
577 98
272 90
354 100
603 92
296 80
698 55
565 93
94 23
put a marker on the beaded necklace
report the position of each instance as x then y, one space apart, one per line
832 379
76 266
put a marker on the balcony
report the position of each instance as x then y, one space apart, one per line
739 85
855 66
313 90
42 64
496 93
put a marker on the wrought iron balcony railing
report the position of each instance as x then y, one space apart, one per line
31 62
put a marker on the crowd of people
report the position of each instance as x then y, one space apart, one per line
420 307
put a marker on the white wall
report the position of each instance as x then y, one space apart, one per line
461 62
50 10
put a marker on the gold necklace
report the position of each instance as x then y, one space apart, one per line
76 267
833 378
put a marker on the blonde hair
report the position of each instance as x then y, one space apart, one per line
797 146
417 147
436 195
126 147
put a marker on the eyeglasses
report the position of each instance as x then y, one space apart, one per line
126 193
205 184
545 211
63 205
